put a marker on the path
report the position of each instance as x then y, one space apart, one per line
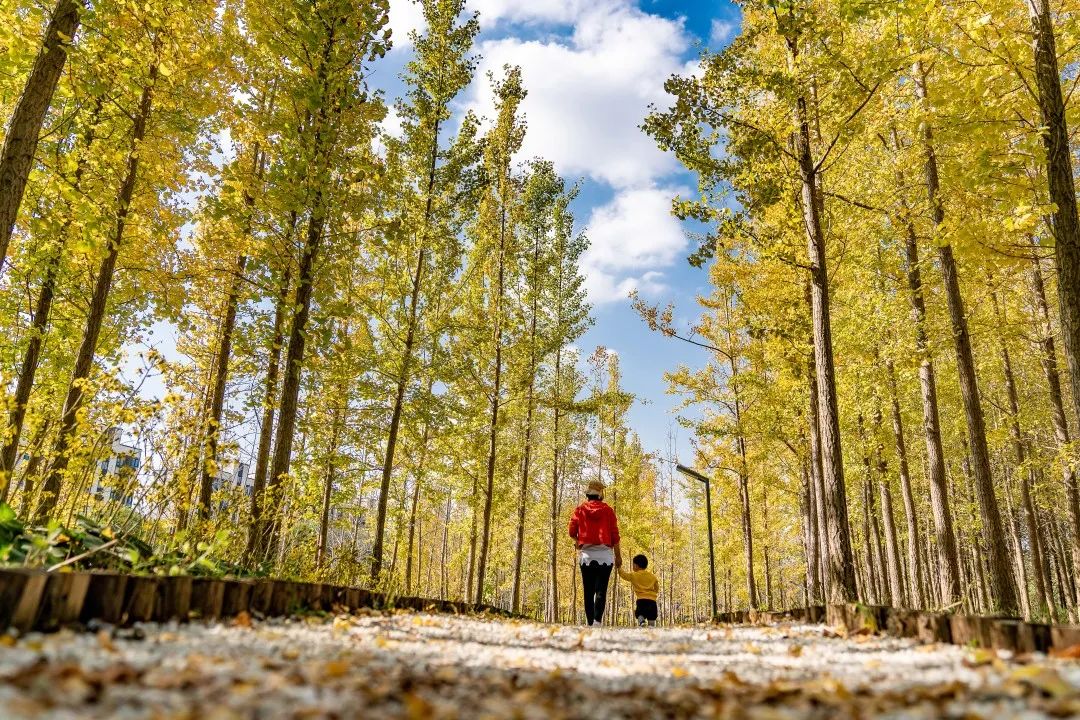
421 666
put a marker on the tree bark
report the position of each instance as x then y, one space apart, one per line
894 566
948 559
294 365
816 473
1049 362
40 322
1002 592
328 484
556 412
221 362
841 567
208 467
810 538
915 576
1018 554
84 361
515 602
417 481
493 429
1066 225
266 429
1025 472
28 116
744 467
406 360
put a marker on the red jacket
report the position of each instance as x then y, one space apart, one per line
594 523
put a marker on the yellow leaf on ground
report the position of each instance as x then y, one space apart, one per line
1044 679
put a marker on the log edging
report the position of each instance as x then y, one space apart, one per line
977 631
39 600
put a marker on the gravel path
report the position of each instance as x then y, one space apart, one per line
427 666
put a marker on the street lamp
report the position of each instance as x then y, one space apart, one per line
708 514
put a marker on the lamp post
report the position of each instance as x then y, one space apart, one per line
708 514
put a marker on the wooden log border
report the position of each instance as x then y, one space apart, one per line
991 632
35 600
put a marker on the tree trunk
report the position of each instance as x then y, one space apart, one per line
515 602
1025 472
469 585
894 566
266 429
744 494
406 359
84 361
1065 226
224 353
24 127
1048 359
40 323
294 365
557 412
395 419
1003 594
810 539
328 485
444 585
948 564
816 471
415 503
493 430
915 570
1018 554
841 567
875 555
217 403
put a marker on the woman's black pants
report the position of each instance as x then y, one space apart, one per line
594 580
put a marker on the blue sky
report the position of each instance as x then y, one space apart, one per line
592 67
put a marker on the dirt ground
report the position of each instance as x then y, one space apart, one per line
409 665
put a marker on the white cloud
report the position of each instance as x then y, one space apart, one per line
721 32
405 16
632 239
562 12
590 91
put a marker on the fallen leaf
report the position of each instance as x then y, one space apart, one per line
105 641
979 657
795 650
1070 653
242 619
1044 679
335 669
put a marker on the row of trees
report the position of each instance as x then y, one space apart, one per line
890 187
213 240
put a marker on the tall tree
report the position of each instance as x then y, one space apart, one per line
443 66
24 126
496 234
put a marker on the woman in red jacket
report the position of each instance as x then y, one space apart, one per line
595 529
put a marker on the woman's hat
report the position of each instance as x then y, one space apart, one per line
595 487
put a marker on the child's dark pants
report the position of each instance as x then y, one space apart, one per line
645 611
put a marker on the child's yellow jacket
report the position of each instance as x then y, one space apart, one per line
645 585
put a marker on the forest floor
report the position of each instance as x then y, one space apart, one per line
409 665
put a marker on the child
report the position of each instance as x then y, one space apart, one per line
646 588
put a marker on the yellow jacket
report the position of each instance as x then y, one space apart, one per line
645 585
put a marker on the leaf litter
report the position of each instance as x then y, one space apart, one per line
406 665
